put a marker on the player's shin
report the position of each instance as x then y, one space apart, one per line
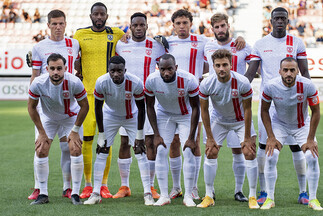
99 166
252 175
300 168
261 159
143 165
42 169
162 170
210 168
65 164
77 166
271 173
239 168
189 171
312 174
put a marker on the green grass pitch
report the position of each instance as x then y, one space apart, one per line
16 179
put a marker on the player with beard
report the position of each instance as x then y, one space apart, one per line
240 58
97 46
141 54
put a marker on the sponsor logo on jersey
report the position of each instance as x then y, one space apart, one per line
110 37
128 95
300 97
181 92
148 52
70 51
278 98
66 94
160 92
268 50
234 93
194 44
290 49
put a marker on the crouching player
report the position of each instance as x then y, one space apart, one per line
124 106
291 95
64 105
231 96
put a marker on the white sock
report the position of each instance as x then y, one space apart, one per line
35 173
42 169
124 169
99 166
261 159
189 171
143 165
239 170
152 172
77 167
65 165
300 168
176 168
210 167
312 174
197 170
252 174
271 173
162 170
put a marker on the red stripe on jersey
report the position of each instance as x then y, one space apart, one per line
287 55
302 54
32 94
149 92
81 94
235 101
248 57
234 63
194 91
300 116
146 68
181 98
316 93
266 96
253 56
289 40
202 95
139 95
67 101
205 58
36 63
128 88
68 42
116 54
70 64
149 44
193 56
98 95
247 93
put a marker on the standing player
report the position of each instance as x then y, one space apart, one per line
221 27
178 107
120 91
97 46
231 96
68 48
270 50
141 55
291 94
64 104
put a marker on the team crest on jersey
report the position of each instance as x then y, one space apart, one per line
314 100
148 52
233 50
290 49
234 93
194 44
128 95
181 92
300 97
110 37
66 94
70 51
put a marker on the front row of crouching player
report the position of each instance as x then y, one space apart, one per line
178 108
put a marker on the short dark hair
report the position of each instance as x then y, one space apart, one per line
180 13
167 56
55 14
138 14
100 4
218 17
54 57
117 60
222 53
288 59
277 9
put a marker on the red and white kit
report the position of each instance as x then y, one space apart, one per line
68 48
239 58
119 108
226 100
189 53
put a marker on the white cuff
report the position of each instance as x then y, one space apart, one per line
76 128
140 135
101 139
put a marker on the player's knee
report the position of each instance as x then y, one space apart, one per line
213 154
41 153
295 148
249 155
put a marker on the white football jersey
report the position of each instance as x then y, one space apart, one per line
141 57
119 99
58 101
291 103
226 97
68 48
239 58
270 51
173 98
189 53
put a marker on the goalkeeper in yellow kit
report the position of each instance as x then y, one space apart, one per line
97 46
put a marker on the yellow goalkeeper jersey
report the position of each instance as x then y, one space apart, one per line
96 50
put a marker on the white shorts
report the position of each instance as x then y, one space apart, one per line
148 130
112 124
168 125
262 133
233 139
60 127
299 134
